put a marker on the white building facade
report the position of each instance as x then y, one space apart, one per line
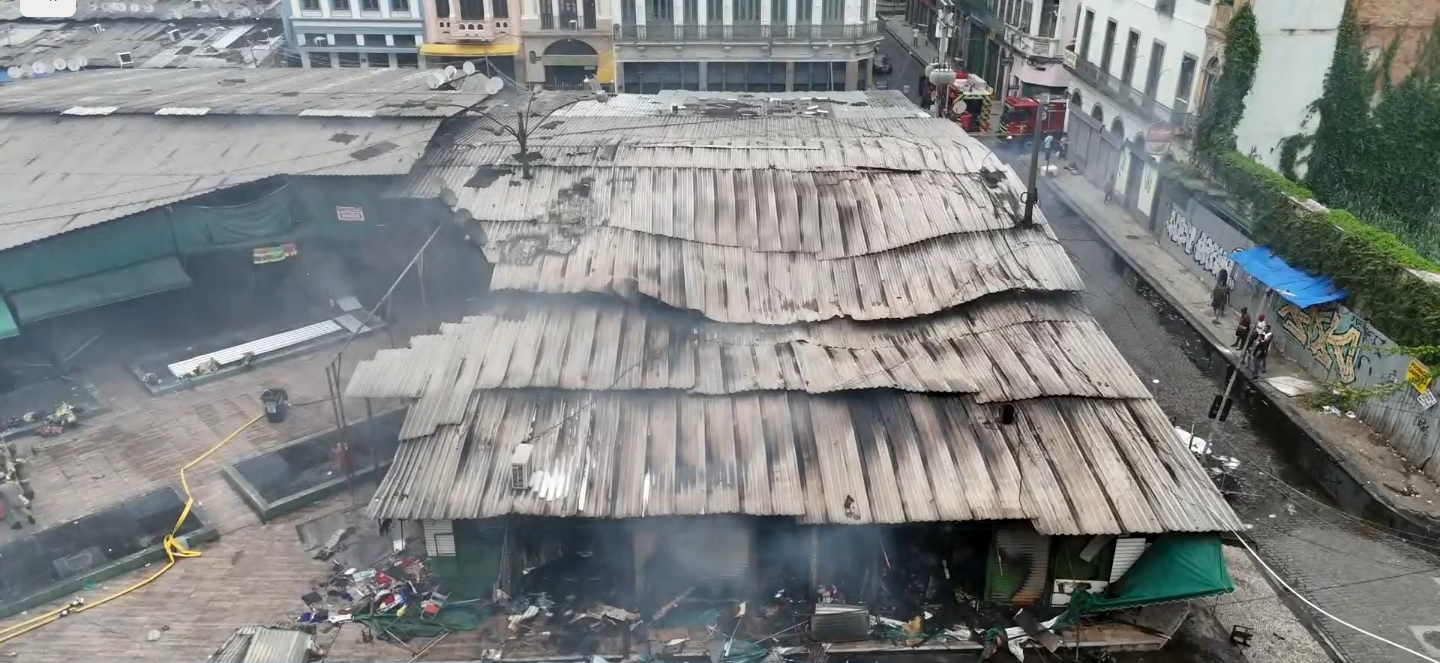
1134 67
745 45
354 33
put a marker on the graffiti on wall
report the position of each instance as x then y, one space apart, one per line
1330 335
1206 252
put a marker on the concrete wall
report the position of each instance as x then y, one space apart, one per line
1332 343
1407 21
1295 52
1183 34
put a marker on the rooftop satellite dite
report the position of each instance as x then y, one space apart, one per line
14 72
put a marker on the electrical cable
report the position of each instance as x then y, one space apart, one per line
174 552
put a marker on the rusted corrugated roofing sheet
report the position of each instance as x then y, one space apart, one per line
63 174
1070 466
1004 349
828 213
731 284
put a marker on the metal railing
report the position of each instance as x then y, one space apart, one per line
690 32
1032 46
1135 100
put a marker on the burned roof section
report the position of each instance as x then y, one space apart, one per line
821 307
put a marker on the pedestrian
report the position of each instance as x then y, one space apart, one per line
1064 146
1110 187
915 36
1242 330
16 506
1048 146
1261 352
1220 295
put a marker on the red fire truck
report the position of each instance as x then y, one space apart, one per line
1018 120
969 103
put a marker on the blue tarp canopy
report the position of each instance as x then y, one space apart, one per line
1295 286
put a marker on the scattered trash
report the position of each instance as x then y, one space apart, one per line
153 635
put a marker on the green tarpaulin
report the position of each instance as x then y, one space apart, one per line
1176 567
8 327
116 285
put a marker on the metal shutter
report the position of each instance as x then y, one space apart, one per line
1127 550
439 537
1023 550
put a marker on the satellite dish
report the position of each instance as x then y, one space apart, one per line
223 12
58 64
14 72
83 61
494 85
451 72
134 8
434 80
148 8
468 67
73 64
243 12
40 68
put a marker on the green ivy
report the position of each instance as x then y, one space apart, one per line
1344 108
1216 129
1290 147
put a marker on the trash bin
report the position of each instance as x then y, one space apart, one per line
277 404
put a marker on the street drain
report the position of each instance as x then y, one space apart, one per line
1132 237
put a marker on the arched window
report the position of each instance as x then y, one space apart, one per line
1075 100
1098 113
1117 127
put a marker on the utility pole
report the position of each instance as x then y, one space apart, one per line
944 24
1042 108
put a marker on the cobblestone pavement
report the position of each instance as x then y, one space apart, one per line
1351 568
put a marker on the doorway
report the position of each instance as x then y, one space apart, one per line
568 63
1132 181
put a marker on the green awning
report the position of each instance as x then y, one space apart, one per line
116 285
8 327
1176 567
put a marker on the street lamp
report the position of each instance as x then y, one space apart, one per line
523 124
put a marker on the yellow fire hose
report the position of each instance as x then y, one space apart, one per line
174 552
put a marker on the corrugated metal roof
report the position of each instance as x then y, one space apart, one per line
211 45
64 174
160 10
829 213
1070 466
270 645
1002 349
731 284
264 91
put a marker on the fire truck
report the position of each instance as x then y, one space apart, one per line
1018 120
969 103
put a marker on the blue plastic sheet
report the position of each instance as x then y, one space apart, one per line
1297 287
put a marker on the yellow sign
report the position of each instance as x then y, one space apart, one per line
1418 376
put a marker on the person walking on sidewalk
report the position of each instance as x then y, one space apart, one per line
1110 188
1242 330
1048 146
1261 352
915 36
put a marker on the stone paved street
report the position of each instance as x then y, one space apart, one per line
1350 567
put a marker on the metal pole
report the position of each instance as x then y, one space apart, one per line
1031 191
944 22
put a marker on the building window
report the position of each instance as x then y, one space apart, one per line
442 8
369 5
1049 17
627 12
1107 49
501 8
378 60
832 11
779 12
1132 51
340 6
407 60
804 11
1027 16
400 6
1186 85
587 14
1152 78
547 15
471 10
344 40
714 12
1085 38
659 11
692 12
747 11
320 60
375 40
349 59
310 5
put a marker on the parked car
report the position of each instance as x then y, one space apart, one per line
881 64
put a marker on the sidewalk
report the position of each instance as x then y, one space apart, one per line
1369 463
922 50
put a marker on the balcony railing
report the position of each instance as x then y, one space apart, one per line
1138 102
689 32
1043 48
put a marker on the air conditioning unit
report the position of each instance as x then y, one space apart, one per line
97 28
172 34
125 59
520 467
1165 7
